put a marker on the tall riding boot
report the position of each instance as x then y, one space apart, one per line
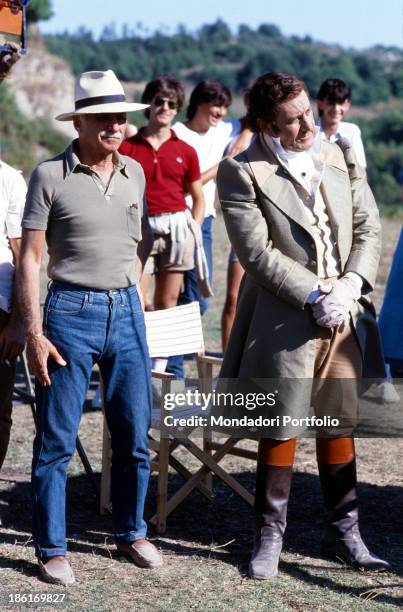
273 483
342 539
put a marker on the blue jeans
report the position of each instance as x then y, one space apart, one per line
88 327
191 291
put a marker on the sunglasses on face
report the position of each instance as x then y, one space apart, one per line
159 101
104 117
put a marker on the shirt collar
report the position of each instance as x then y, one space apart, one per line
294 162
73 161
285 156
333 137
140 138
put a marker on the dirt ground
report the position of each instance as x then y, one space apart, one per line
206 546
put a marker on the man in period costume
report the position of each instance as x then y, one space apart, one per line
305 226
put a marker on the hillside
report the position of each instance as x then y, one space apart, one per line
215 52
42 84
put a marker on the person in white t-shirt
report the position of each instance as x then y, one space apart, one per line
210 136
12 200
334 100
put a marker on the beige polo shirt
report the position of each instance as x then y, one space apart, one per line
92 230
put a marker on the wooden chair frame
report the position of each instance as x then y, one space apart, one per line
208 452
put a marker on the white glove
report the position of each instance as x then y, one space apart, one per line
332 309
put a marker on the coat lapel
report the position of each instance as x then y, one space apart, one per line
338 203
275 183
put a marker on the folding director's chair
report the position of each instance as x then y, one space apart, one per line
178 331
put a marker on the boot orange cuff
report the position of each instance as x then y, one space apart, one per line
280 453
333 451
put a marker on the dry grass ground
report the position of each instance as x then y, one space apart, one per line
207 545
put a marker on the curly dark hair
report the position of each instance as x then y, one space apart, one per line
267 92
166 86
208 91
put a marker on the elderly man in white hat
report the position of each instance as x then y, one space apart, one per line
87 203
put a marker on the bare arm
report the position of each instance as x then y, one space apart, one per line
39 348
12 337
196 193
241 143
209 174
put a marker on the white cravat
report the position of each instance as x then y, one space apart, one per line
300 164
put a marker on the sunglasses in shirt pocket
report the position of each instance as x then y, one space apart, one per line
133 221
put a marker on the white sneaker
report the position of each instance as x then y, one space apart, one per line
387 393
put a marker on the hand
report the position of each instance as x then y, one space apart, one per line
39 350
328 313
332 309
12 341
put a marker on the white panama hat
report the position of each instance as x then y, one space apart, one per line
99 92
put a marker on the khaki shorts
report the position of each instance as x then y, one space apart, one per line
158 260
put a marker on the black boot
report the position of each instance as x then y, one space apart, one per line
342 539
272 492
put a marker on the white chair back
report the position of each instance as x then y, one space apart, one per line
175 331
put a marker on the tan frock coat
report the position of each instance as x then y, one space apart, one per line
274 329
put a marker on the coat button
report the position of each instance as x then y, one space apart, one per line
313 262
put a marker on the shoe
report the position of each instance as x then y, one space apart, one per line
342 539
386 393
142 553
272 492
56 570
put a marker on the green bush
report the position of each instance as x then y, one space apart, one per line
25 143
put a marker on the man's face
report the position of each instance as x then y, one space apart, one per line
295 124
211 113
163 110
101 133
332 112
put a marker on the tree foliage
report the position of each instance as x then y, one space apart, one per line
39 10
137 55
236 59
383 138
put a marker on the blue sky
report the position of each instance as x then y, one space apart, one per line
350 23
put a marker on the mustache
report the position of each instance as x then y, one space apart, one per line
106 134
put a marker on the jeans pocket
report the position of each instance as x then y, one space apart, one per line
135 304
67 303
133 222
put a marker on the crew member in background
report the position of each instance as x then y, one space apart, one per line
171 168
210 135
333 101
12 339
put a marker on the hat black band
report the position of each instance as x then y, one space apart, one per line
99 100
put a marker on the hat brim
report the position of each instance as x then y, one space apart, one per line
114 107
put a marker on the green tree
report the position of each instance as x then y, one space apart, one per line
39 10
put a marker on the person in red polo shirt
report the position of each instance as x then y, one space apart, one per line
172 170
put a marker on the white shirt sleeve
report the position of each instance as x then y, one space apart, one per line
17 191
358 147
